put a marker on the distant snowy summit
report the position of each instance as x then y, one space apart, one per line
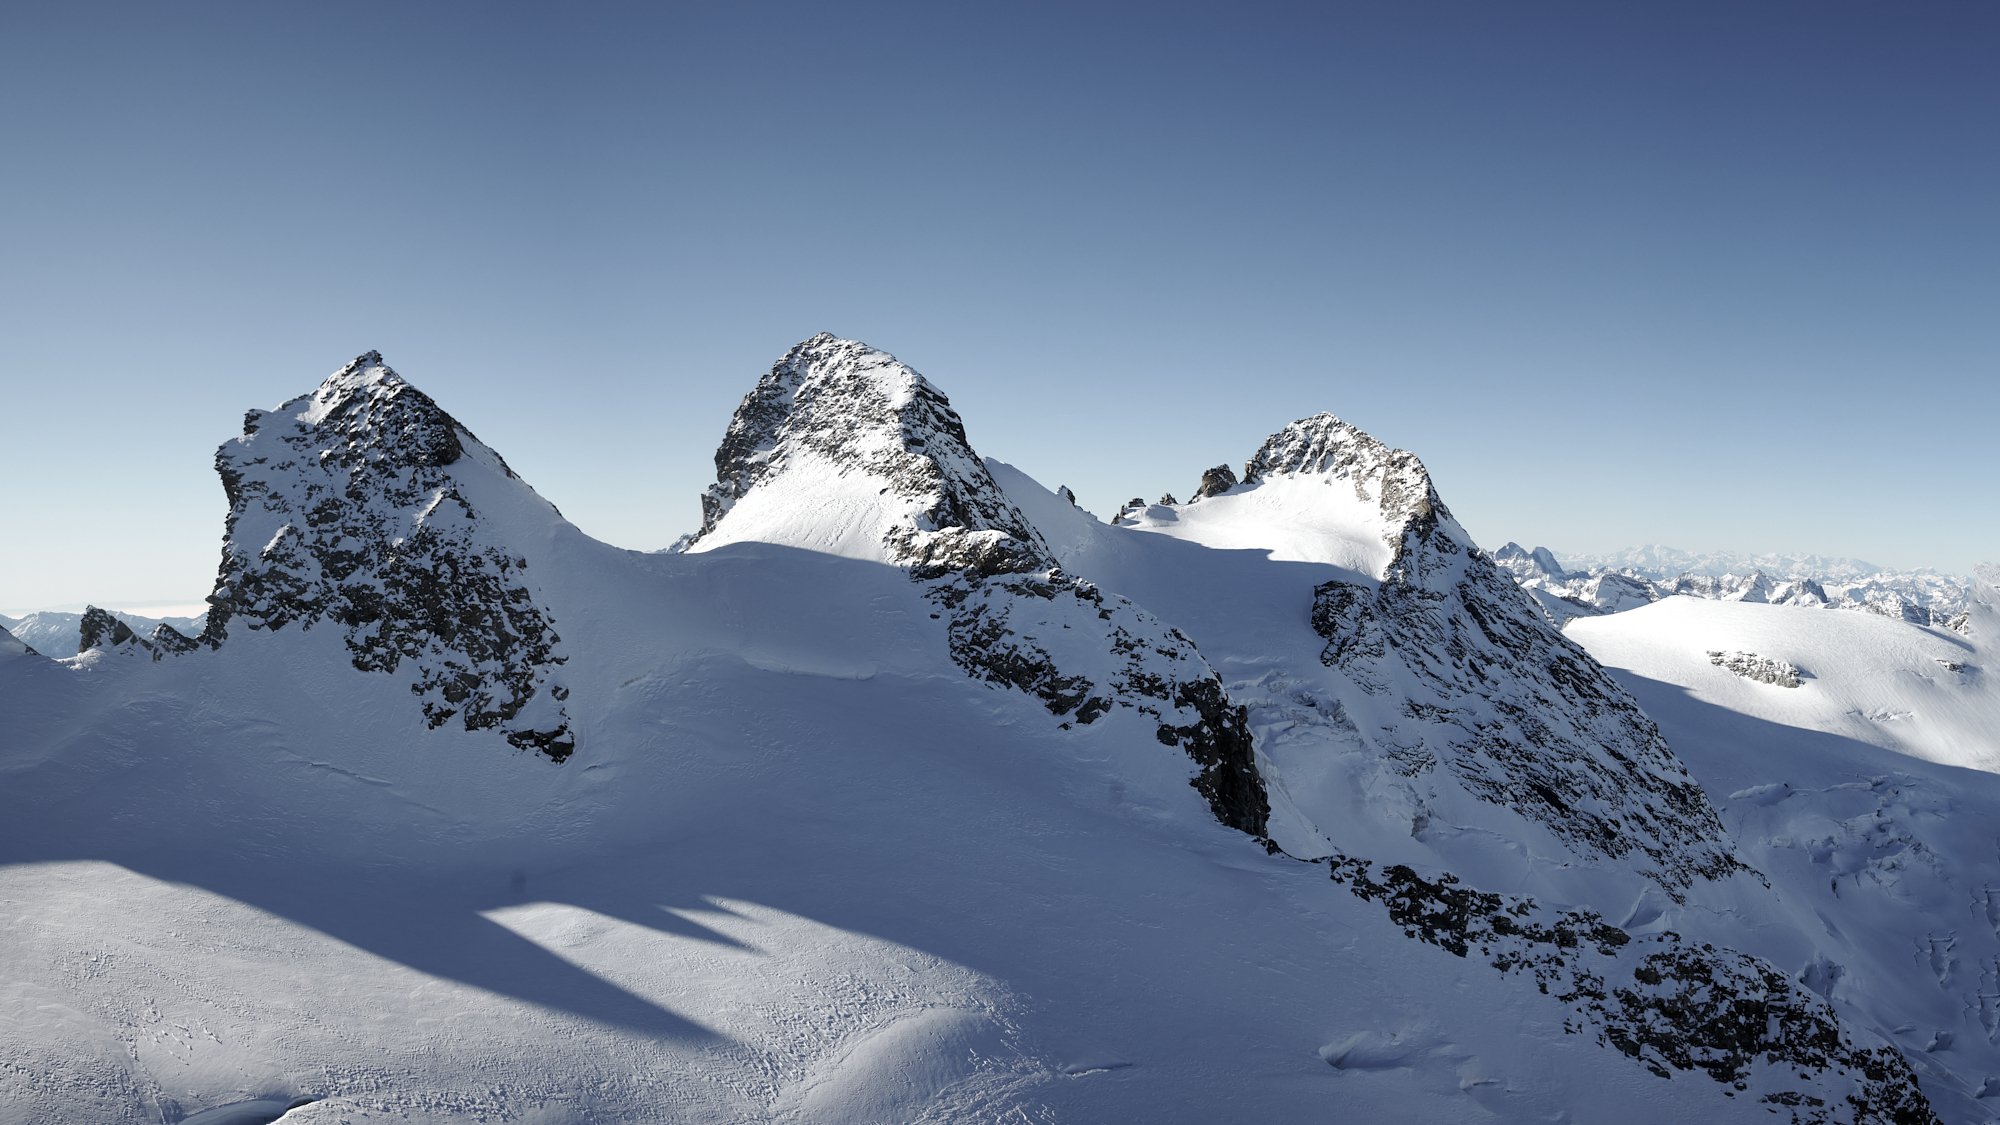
1593 585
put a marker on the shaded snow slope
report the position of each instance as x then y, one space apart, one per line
13 647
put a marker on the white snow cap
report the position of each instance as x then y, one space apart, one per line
842 449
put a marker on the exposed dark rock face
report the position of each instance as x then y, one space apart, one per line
1011 616
1675 1006
994 628
102 630
1324 445
169 641
344 508
860 411
1762 669
1215 482
1450 655
1167 500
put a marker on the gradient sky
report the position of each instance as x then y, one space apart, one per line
1724 276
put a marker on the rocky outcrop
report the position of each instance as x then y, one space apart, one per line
169 641
1137 662
839 414
1760 669
100 630
1215 482
1673 1006
1457 672
346 509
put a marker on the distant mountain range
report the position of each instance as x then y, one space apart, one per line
906 790
1591 585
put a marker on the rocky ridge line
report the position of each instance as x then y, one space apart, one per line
1673 1005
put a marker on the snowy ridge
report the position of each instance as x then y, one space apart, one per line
353 505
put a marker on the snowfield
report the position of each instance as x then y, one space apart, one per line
918 809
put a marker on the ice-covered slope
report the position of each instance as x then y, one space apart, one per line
1845 788
1928 693
844 837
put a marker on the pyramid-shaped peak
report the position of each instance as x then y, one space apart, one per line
1320 443
364 504
365 404
843 448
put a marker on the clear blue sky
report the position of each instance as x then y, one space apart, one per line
1716 275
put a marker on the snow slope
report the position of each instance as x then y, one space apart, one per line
879 814
1866 795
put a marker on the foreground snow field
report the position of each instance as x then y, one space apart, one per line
911 793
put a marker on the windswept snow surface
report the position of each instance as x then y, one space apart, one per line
1866 794
819 855
1306 519
1925 692
774 884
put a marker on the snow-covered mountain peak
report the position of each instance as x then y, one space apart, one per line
1323 444
845 450
365 504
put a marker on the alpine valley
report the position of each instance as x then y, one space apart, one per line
904 790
